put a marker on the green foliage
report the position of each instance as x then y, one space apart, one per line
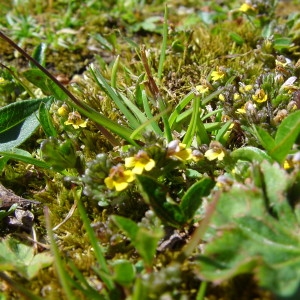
20 258
256 232
187 146
286 135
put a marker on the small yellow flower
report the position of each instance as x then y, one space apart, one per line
245 7
260 96
118 178
216 151
288 164
197 155
222 97
241 110
140 162
202 88
236 96
63 110
75 120
218 74
179 151
2 80
244 88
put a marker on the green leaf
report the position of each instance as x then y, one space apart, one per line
124 272
39 55
20 258
24 156
156 195
18 122
15 136
192 199
39 79
286 135
265 139
145 241
250 154
4 213
46 121
15 113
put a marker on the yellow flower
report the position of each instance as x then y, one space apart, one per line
236 96
244 88
63 110
222 97
75 120
241 110
260 96
218 74
245 7
202 88
140 162
118 178
216 151
2 80
179 151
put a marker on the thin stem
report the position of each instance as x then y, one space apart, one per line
202 291
60 268
163 46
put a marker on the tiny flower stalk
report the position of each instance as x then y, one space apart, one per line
119 178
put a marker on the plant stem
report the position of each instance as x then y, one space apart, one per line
60 268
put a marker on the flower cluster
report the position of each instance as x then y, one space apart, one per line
119 178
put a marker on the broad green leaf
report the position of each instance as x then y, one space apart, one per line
18 257
15 113
260 246
192 199
277 183
15 136
124 272
286 135
156 195
250 154
240 200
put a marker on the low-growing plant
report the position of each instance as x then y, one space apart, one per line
188 193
